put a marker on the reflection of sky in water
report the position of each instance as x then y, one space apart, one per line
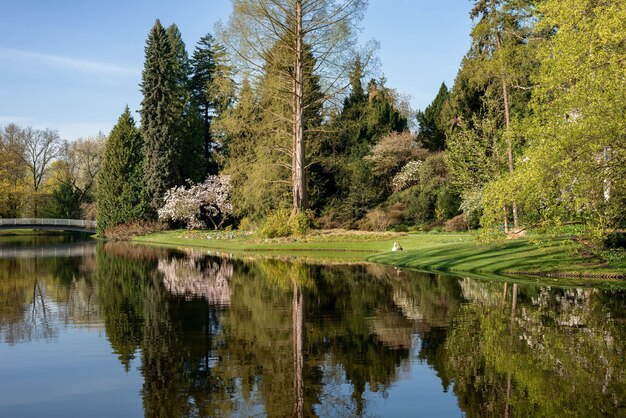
76 375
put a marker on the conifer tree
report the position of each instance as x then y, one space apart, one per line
189 163
431 130
159 116
120 191
212 87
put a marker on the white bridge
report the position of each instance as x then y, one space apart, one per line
76 225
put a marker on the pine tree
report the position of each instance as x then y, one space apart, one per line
189 163
431 127
159 116
212 87
120 192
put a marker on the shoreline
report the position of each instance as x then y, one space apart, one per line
455 253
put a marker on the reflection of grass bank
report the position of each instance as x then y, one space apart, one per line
458 252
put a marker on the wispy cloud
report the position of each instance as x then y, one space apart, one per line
67 63
75 130
5 119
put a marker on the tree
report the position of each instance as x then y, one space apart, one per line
73 178
120 193
200 202
393 152
241 124
189 162
327 26
431 126
64 202
500 50
213 89
37 149
12 172
159 117
574 164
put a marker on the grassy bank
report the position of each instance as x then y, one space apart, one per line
454 252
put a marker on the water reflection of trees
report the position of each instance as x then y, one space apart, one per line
540 352
197 276
219 337
40 296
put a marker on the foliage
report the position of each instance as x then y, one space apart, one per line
202 202
394 151
120 192
409 175
132 229
159 112
431 132
277 224
573 166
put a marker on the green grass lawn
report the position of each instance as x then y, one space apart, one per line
453 252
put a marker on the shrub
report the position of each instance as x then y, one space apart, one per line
246 224
375 220
301 222
615 240
448 203
277 224
408 176
282 223
202 202
124 232
456 224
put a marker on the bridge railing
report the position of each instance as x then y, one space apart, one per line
75 223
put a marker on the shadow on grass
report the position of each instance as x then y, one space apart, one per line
510 256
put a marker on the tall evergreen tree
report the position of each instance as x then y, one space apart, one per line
431 127
120 191
212 87
159 116
189 163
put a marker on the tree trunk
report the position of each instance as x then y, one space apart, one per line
507 112
207 136
509 145
298 180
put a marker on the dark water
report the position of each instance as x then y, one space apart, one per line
118 330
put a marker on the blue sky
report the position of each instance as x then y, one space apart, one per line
72 65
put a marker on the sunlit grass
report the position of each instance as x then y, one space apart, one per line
454 252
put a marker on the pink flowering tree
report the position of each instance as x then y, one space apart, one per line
200 204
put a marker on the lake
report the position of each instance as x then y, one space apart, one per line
119 330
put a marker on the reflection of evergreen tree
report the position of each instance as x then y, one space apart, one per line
121 287
175 335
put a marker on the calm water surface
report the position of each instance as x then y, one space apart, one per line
117 330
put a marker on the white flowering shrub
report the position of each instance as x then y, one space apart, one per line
199 203
407 177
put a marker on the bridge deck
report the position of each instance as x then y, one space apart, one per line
78 225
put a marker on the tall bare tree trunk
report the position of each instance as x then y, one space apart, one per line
300 200
507 112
